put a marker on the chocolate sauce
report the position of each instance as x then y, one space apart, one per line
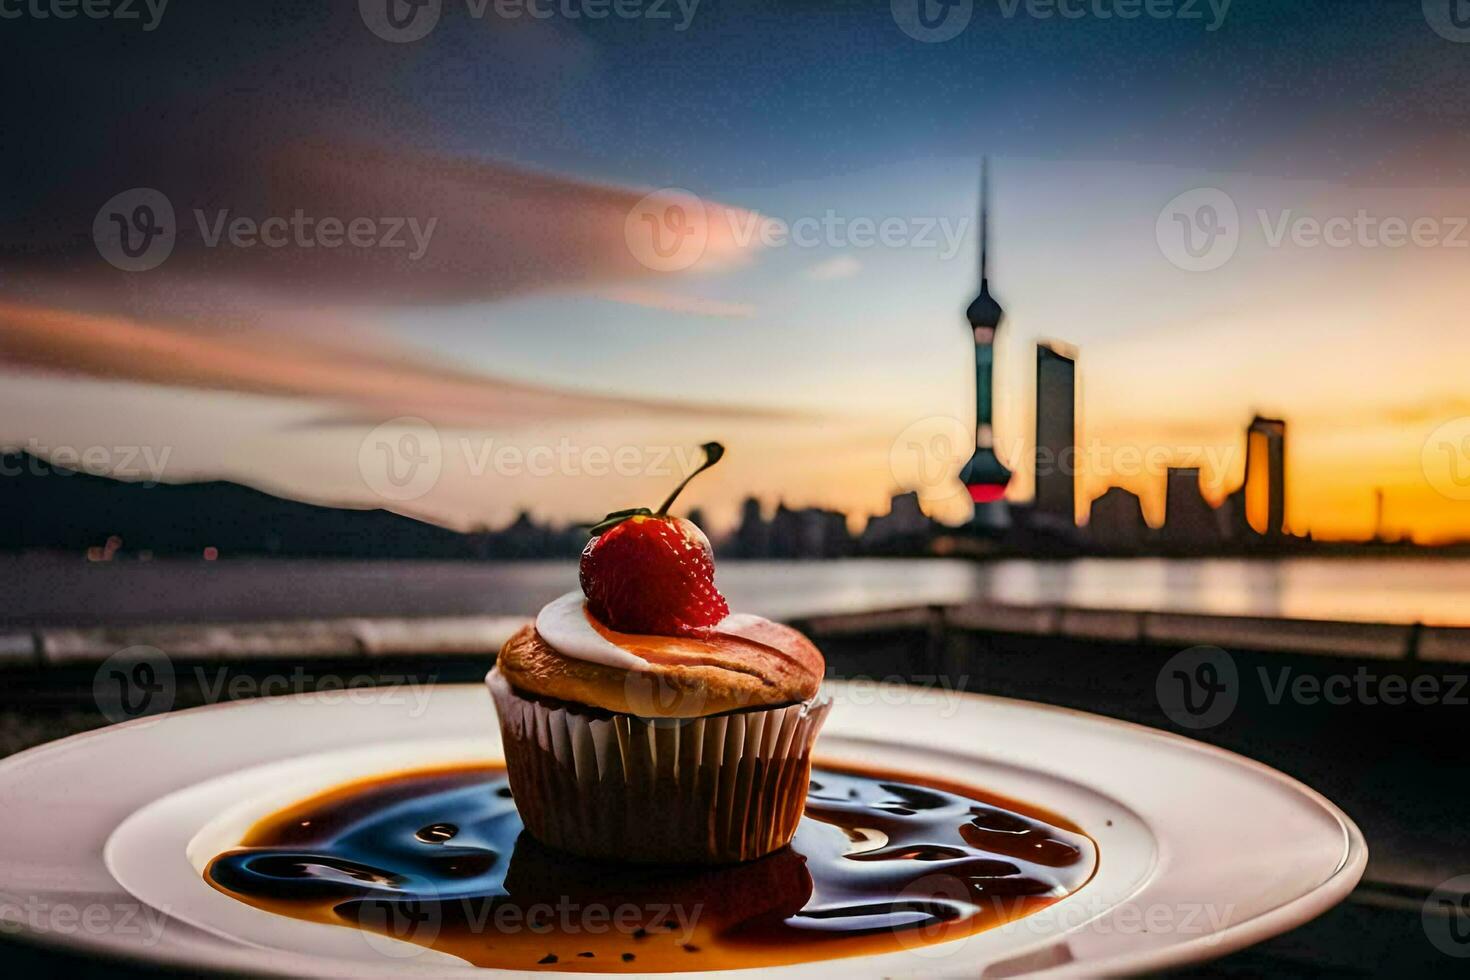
439 858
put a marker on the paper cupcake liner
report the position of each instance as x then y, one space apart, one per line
713 790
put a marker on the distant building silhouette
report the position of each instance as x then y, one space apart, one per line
1056 439
984 476
1265 477
1190 523
752 537
904 529
1117 523
809 533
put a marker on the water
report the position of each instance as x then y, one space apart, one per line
1430 591
50 591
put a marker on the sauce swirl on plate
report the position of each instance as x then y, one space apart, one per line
438 858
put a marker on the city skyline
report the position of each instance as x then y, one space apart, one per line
810 351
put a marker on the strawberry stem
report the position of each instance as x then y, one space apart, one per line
713 452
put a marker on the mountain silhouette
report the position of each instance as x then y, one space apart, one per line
51 508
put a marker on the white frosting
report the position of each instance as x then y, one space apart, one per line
563 624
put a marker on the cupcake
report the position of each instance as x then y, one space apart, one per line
642 721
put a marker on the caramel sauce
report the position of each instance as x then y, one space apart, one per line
438 857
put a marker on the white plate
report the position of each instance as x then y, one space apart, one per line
1200 851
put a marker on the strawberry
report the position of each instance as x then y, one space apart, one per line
646 572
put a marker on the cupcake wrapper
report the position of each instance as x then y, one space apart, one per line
714 789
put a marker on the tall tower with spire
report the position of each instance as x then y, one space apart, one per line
985 476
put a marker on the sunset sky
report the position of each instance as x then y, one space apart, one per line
529 320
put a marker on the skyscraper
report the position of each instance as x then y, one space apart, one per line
1189 520
984 475
1265 476
1117 521
1056 437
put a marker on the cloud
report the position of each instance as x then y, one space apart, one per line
445 229
657 299
299 319
839 267
305 363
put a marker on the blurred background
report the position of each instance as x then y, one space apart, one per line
1095 352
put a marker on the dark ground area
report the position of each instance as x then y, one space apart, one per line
1400 771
